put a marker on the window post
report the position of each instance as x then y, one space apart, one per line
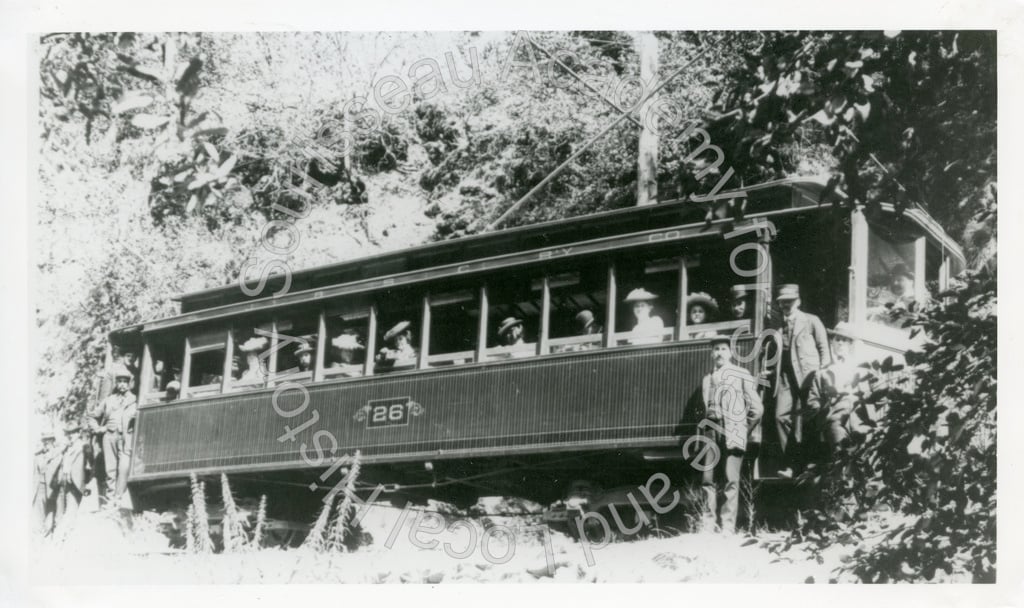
684 288
186 369
609 312
763 293
229 355
321 346
858 267
481 338
421 363
920 250
146 374
944 273
272 362
371 341
545 316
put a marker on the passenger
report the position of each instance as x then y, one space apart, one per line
804 351
832 392
172 389
510 332
701 308
586 324
648 329
304 354
255 372
158 380
304 361
347 347
892 301
399 350
739 307
902 285
733 410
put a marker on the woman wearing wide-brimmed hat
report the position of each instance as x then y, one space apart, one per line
648 328
347 348
254 369
701 308
399 348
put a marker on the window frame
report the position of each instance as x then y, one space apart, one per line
547 278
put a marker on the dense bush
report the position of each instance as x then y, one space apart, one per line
915 494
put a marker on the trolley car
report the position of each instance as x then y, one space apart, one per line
465 415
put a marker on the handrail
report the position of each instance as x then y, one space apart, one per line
154 396
204 389
718 326
629 337
574 340
526 349
456 358
293 377
248 382
351 369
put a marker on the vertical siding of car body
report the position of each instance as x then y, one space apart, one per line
619 396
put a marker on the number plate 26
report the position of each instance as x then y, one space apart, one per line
396 411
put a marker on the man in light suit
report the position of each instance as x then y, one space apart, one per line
732 411
804 351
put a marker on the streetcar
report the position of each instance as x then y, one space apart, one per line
261 388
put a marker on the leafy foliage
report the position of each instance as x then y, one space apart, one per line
342 528
233 524
200 519
915 493
910 117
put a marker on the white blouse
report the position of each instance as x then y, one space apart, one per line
648 331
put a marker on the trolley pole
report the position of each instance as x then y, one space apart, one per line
647 153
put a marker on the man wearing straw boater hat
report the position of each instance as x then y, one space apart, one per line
304 355
739 306
804 351
733 410
648 328
510 332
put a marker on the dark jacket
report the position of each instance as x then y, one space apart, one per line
808 351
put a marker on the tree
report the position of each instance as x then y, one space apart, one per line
909 117
915 492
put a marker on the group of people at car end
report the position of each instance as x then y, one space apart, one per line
98 446
814 385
